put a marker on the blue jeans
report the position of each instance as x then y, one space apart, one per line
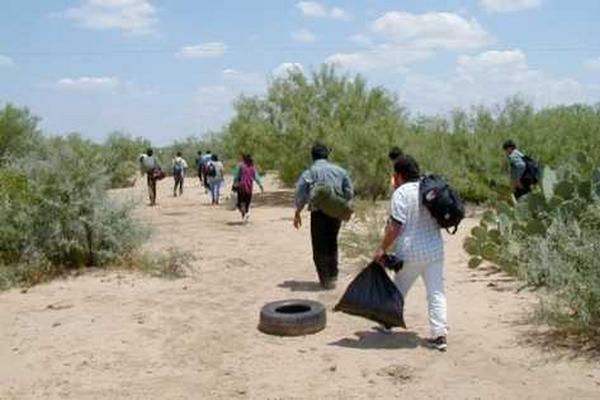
215 191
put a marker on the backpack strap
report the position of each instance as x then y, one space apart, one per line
454 231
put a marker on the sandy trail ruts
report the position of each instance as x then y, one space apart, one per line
109 335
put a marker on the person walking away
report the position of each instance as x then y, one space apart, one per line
180 167
214 171
418 242
517 169
206 158
243 183
198 163
150 166
323 228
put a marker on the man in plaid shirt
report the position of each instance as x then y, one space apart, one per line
418 242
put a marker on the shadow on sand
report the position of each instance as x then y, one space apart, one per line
368 340
280 198
302 286
236 223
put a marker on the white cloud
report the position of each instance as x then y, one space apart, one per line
592 64
431 30
338 13
509 5
287 67
89 84
360 39
203 50
318 10
136 17
312 9
381 57
489 78
6 61
304 36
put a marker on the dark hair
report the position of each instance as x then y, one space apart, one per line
214 157
407 167
178 154
394 153
207 151
319 152
509 144
149 152
247 159
199 152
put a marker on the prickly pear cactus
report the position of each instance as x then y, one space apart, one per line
502 233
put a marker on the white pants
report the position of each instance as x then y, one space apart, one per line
433 277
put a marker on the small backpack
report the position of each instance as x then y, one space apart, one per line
531 175
211 170
442 201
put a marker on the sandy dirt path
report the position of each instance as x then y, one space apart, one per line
109 335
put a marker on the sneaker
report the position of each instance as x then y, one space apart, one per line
329 284
439 343
385 329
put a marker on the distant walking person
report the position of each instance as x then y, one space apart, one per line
324 229
180 167
198 163
206 158
243 183
214 171
150 166
523 171
415 237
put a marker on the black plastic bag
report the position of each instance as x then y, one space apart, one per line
374 296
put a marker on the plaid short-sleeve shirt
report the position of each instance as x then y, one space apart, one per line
421 239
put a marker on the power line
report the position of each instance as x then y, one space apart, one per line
158 51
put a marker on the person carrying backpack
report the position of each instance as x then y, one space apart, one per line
180 166
214 171
415 237
324 228
198 162
150 166
243 183
523 171
204 161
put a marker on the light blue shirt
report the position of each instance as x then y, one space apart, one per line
322 171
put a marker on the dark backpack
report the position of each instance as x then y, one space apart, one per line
442 201
211 170
531 175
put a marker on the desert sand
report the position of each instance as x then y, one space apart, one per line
122 335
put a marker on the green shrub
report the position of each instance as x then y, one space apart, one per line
120 153
56 214
566 262
551 239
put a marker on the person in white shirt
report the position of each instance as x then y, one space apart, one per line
150 167
416 238
180 166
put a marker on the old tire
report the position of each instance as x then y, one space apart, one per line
292 318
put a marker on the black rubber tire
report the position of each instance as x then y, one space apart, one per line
274 322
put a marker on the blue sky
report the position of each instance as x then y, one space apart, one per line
169 69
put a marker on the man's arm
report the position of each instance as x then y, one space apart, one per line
392 231
347 187
301 198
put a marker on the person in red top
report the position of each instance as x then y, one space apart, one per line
244 183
